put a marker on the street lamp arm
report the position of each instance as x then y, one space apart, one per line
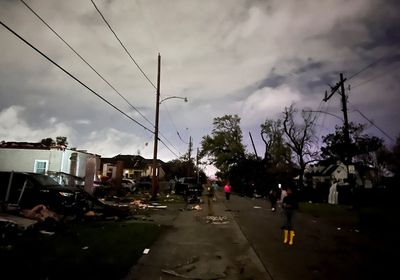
170 97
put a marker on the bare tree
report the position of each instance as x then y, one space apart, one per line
300 137
272 134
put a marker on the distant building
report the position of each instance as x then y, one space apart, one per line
134 167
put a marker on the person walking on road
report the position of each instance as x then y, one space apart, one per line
289 205
214 185
227 190
273 198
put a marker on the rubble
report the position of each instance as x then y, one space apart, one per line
146 251
217 220
196 268
197 207
39 213
12 221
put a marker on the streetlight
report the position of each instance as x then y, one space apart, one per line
170 97
154 179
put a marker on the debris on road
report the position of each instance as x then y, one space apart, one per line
217 220
196 268
45 232
174 273
197 207
146 251
157 206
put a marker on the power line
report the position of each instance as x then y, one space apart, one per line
126 50
168 148
109 26
376 76
73 77
180 137
85 61
173 124
371 122
366 67
91 67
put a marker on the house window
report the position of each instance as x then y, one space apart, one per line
41 166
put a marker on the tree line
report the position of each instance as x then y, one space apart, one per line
290 145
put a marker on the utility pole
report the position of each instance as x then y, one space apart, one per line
197 166
346 121
190 155
154 179
252 142
346 132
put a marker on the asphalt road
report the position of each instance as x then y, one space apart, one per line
321 250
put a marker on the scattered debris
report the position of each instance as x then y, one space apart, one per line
45 232
197 207
11 221
90 213
217 220
85 248
189 261
113 203
257 207
157 206
39 213
146 251
174 273
138 204
193 268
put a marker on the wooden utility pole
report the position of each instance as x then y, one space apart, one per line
346 121
154 177
190 156
346 132
252 142
197 166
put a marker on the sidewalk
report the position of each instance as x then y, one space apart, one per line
201 244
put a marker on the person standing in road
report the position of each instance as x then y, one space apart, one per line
227 190
214 185
289 205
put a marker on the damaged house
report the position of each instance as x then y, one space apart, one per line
58 161
132 167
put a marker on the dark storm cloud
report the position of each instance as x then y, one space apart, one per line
252 58
383 24
309 66
273 81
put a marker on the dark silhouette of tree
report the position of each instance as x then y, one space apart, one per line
360 144
224 146
49 142
61 141
276 151
300 137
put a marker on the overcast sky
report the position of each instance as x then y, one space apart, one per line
251 58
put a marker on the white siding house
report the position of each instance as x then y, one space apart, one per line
34 157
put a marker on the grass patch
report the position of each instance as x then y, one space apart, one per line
370 219
324 210
95 250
